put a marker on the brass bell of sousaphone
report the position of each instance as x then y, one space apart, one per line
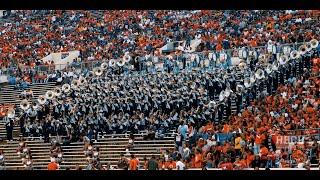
121 63
302 49
66 88
24 105
41 99
294 54
309 46
126 58
283 59
314 43
11 113
49 95
242 66
57 91
82 81
259 74
112 63
98 71
104 66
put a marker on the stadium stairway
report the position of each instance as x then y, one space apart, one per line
3 131
73 154
11 96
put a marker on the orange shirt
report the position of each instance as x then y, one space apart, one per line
226 166
171 165
133 164
259 139
198 161
53 166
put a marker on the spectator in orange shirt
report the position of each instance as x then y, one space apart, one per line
53 165
133 163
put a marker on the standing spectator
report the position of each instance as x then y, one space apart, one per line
133 163
152 164
180 165
123 162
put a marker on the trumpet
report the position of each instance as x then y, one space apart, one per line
41 99
66 88
314 43
24 105
49 95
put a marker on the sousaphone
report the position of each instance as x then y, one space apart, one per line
126 58
104 66
98 71
41 99
112 63
11 113
259 74
24 105
49 95
66 88
242 66
283 59
303 49
294 54
121 63
57 91
309 46
314 43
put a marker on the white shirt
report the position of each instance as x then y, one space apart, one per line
180 165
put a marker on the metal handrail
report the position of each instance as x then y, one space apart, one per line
90 65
